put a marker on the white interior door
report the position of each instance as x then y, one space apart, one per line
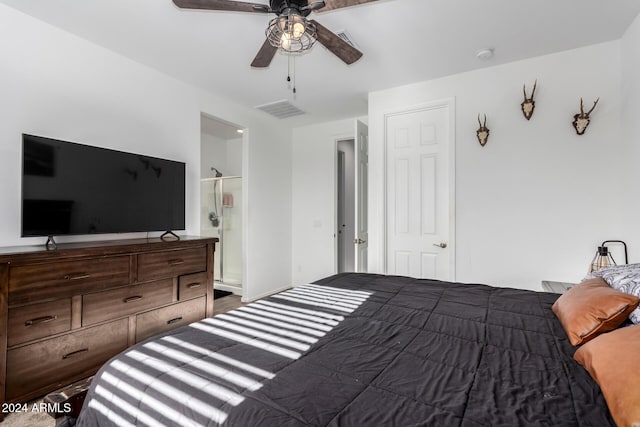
418 235
361 238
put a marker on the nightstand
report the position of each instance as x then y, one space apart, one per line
556 287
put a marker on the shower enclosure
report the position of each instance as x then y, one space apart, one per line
221 216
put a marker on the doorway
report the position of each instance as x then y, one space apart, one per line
351 231
346 204
221 208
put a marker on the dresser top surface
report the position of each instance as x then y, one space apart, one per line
98 248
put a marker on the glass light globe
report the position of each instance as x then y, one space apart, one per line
298 30
285 41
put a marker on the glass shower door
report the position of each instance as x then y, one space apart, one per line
221 216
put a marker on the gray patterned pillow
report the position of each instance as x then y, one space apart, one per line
608 270
625 278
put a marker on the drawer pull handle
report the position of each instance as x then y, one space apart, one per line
133 298
194 285
75 353
77 276
176 261
43 319
177 319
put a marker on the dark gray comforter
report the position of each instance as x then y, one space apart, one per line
358 350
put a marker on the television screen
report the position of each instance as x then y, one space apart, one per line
70 188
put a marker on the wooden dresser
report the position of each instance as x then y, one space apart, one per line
67 311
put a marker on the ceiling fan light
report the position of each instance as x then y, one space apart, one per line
291 33
298 30
285 41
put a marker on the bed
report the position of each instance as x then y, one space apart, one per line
358 350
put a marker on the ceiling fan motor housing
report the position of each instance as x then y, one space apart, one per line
279 6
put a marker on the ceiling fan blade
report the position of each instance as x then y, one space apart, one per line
314 5
229 5
336 45
265 55
338 4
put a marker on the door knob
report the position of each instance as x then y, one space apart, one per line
359 241
440 245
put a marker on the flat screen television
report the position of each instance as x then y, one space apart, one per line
71 189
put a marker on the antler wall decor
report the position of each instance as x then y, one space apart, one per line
483 131
582 120
528 105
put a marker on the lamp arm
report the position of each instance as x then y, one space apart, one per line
626 258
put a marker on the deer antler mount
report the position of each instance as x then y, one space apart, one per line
483 131
528 105
582 120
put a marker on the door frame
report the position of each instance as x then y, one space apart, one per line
244 136
441 103
361 196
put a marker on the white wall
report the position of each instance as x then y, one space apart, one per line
313 198
222 154
213 154
267 201
630 51
234 157
535 201
55 84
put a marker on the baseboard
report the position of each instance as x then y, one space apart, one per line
266 294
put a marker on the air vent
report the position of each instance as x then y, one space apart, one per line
281 109
344 36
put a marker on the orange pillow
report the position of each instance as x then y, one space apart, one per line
591 308
612 361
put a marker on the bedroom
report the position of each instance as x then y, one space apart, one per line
53 86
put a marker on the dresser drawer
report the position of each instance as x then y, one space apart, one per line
157 265
167 318
58 361
61 279
119 302
35 321
192 285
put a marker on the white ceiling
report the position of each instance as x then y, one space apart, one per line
403 41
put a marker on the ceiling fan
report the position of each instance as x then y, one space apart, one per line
290 31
